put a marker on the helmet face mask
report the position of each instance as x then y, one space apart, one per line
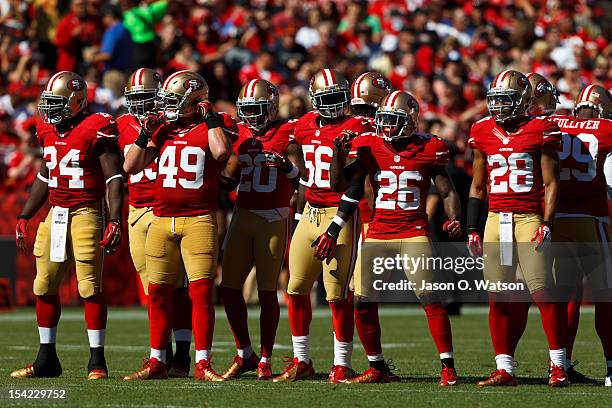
502 103
255 114
180 95
331 104
141 104
141 92
397 116
53 109
363 109
64 97
170 104
509 97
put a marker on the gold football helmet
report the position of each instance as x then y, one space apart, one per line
597 98
397 116
141 92
545 95
257 104
64 97
180 94
367 92
329 93
509 96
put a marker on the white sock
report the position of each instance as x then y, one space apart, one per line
301 348
47 335
96 337
182 335
448 354
159 355
505 362
202 355
377 357
557 357
342 352
264 360
245 352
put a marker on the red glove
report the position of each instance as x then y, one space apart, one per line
474 244
452 228
542 236
151 123
343 141
204 107
112 237
20 233
324 246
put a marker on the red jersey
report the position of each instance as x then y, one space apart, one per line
75 174
401 181
141 191
318 148
513 162
187 182
585 145
262 187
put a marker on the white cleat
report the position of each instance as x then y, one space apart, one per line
608 381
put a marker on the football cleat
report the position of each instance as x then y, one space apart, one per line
50 370
558 377
204 372
178 371
498 378
340 374
448 377
373 375
608 381
296 370
241 366
576 377
97 374
264 371
152 369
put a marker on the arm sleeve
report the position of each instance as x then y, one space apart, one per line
551 133
608 173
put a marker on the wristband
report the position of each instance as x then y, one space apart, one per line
212 121
42 178
334 228
549 224
143 139
297 216
111 178
23 217
304 182
294 172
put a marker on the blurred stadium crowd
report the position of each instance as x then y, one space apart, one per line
444 52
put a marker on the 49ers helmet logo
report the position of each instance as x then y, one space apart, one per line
381 83
75 84
157 77
540 89
193 83
522 82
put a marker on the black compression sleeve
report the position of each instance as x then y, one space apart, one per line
474 210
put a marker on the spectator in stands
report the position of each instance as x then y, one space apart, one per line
140 19
76 31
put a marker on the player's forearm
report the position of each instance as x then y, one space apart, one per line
608 173
220 144
301 198
137 159
450 198
296 156
38 195
114 191
336 171
551 199
550 177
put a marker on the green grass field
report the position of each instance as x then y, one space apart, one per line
405 338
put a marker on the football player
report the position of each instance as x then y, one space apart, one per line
582 216
267 168
191 154
315 132
82 164
396 152
516 162
140 96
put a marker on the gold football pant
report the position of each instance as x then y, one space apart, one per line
192 239
304 268
139 221
582 248
82 249
253 240
532 263
411 247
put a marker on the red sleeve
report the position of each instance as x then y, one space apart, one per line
40 133
359 146
442 152
473 139
550 133
287 133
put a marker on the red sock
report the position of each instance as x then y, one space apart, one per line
343 320
48 310
181 309
500 325
95 312
554 319
160 314
368 327
573 319
300 314
603 311
201 292
237 315
439 327
268 320
519 314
